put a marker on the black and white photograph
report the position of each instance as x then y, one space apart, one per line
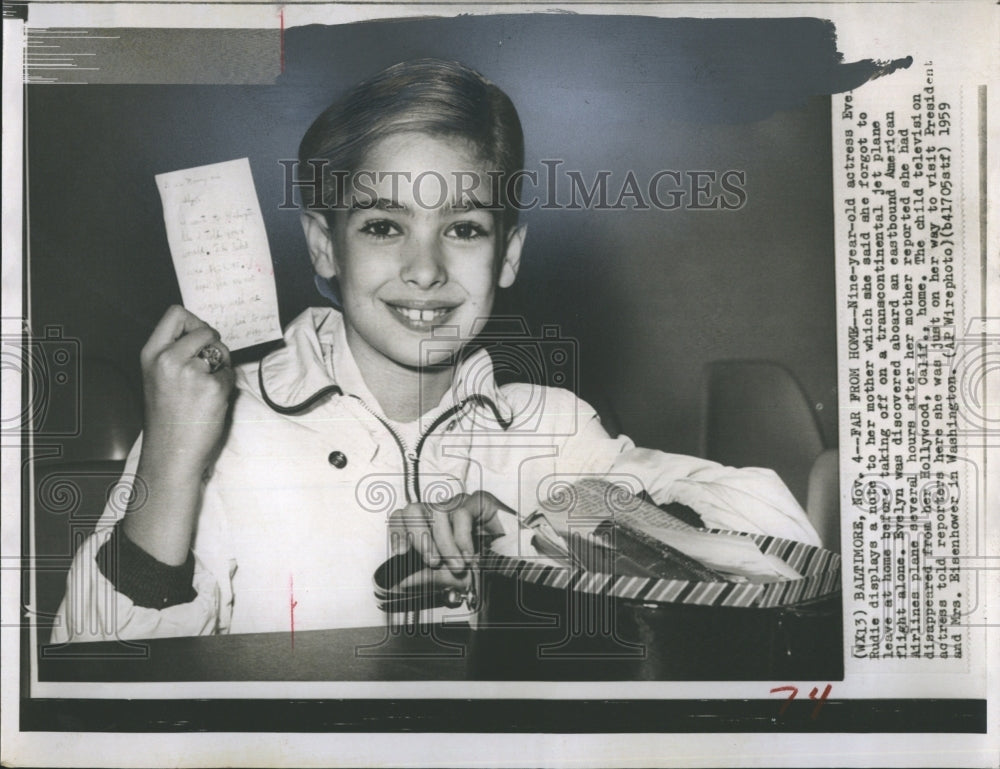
496 372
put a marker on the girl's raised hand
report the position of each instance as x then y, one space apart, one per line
186 395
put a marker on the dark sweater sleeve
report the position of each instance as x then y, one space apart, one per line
139 576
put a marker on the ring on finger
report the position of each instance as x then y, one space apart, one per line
213 356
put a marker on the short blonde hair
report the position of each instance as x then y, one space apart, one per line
441 98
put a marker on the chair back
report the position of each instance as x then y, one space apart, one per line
823 504
757 415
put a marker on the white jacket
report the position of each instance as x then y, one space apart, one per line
293 517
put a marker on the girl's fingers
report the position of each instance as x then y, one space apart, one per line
485 508
443 534
412 522
443 523
175 323
462 524
189 345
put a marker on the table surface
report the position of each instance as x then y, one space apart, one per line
428 653
349 654
529 636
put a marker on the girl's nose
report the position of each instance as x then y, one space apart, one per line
423 264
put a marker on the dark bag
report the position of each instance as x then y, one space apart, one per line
536 619
569 624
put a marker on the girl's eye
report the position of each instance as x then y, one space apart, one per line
467 231
380 228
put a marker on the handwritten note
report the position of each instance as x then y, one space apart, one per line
220 250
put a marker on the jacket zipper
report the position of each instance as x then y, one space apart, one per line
411 459
411 481
441 418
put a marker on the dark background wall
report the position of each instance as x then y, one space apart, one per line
650 296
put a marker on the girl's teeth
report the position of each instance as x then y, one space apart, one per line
424 316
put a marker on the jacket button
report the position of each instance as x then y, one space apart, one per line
338 459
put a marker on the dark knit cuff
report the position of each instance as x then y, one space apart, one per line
139 576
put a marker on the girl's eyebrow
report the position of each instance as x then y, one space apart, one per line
378 204
465 204
471 203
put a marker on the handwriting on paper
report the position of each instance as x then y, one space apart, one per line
220 250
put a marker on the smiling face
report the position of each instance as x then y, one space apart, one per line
413 255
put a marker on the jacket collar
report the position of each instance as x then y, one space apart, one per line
316 363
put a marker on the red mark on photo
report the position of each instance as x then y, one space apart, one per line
793 689
821 698
292 603
281 17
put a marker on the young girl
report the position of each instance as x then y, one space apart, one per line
281 481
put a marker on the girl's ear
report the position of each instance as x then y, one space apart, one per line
511 259
319 239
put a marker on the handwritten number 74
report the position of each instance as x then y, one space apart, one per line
813 695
